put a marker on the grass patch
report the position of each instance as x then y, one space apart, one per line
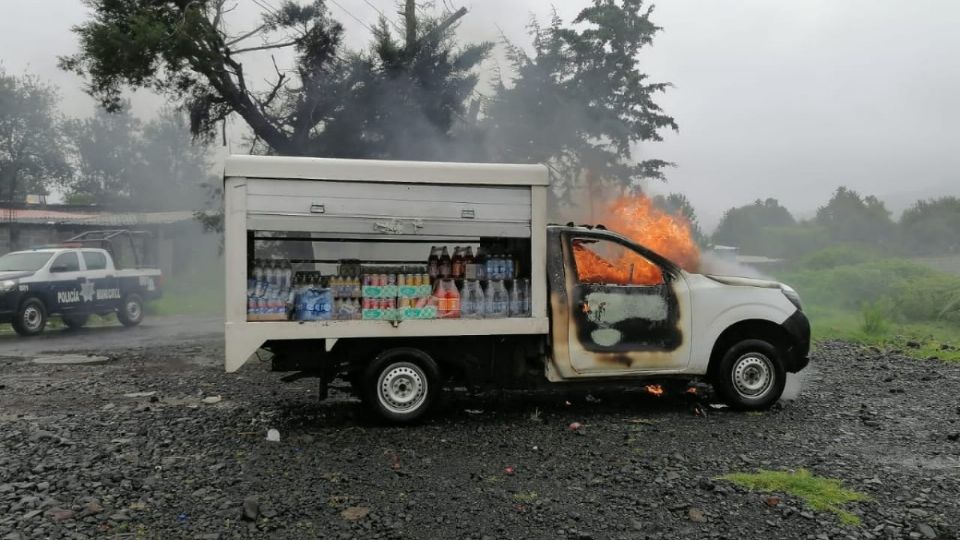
197 291
528 497
824 494
930 339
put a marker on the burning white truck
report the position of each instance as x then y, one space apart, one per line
368 291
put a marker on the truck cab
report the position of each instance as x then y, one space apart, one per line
602 309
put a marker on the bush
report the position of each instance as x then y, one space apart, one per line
834 256
929 298
875 321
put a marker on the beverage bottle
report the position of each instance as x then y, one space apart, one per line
471 300
269 276
287 274
497 306
469 264
456 265
491 267
445 263
481 263
449 301
516 308
433 263
509 266
525 298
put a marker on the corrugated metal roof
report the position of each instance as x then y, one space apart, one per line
96 219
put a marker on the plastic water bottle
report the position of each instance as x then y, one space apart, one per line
286 275
491 267
508 267
498 299
269 273
516 307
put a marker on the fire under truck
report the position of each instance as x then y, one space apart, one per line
371 224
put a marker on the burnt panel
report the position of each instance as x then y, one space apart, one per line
624 319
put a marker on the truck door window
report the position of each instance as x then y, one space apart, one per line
604 262
95 260
66 262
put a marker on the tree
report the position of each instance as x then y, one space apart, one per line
123 163
851 218
332 102
743 226
105 152
175 170
31 147
579 101
932 227
678 204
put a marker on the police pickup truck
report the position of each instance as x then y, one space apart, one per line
73 283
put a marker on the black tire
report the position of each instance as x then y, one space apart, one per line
74 322
131 310
401 385
751 375
31 318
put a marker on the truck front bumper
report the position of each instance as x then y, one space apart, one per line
798 355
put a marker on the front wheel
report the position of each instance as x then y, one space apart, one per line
751 375
31 318
131 310
401 384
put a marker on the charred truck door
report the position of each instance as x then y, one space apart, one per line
621 308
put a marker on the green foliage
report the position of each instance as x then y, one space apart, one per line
875 318
932 227
853 286
745 226
929 298
122 163
852 218
31 148
820 493
579 100
837 255
678 204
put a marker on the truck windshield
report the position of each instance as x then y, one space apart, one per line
24 261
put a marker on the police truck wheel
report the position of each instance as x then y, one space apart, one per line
75 321
131 310
751 375
400 385
31 318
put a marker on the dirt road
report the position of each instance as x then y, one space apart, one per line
160 443
153 331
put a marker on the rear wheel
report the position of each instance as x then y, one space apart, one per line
75 321
31 318
751 375
131 310
400 385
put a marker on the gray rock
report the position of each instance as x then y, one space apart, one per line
927 531
251 508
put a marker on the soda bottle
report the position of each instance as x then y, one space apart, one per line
448 306
445 263
456 265
433 263
469 264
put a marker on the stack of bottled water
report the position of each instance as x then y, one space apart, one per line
270 292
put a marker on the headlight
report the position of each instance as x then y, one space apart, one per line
791 295
7 285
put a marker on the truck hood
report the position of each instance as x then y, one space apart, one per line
745 282
15 274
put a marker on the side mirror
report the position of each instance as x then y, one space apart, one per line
59 268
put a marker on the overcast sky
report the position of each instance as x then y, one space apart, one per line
773 98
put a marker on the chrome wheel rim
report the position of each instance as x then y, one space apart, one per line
752 375
402 388
133 310
32 318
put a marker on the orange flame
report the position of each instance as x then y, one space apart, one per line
639 220
654 389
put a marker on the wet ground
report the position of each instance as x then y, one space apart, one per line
159 443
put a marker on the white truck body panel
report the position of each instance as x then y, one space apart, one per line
380 200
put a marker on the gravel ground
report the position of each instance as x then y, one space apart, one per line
130 449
